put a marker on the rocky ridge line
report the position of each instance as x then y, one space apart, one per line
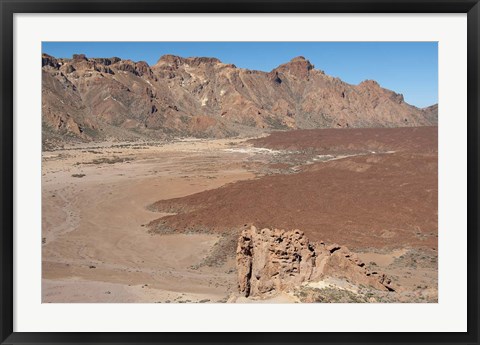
109 98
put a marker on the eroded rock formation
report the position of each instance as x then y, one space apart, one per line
270 261
123 99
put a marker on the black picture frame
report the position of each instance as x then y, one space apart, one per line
9 7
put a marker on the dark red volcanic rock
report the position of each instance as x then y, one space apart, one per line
382 200
354 140
112 98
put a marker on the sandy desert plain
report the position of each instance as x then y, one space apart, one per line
160 222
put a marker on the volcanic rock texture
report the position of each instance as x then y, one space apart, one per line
378 188
270 261
110 98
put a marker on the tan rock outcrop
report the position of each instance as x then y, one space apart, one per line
270 261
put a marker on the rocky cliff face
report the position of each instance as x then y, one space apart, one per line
431 113
100 98
271 261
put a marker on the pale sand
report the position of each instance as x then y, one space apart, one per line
381 259
96 249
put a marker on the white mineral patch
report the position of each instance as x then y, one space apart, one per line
254 150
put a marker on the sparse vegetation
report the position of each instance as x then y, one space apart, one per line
329 295
106 160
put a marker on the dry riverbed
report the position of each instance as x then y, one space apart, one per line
95 244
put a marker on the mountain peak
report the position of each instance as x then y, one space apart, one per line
370 82
298 66
194 61
301 61
169 58
299 58
202 60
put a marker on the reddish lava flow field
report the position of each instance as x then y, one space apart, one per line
379 191
330 140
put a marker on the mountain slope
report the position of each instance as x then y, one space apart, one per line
109 98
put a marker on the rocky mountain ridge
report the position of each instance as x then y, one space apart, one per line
110 98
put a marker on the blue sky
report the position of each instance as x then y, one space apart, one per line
410 68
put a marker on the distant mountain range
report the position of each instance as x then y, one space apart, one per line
86 99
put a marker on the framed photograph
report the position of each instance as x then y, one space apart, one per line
239 172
